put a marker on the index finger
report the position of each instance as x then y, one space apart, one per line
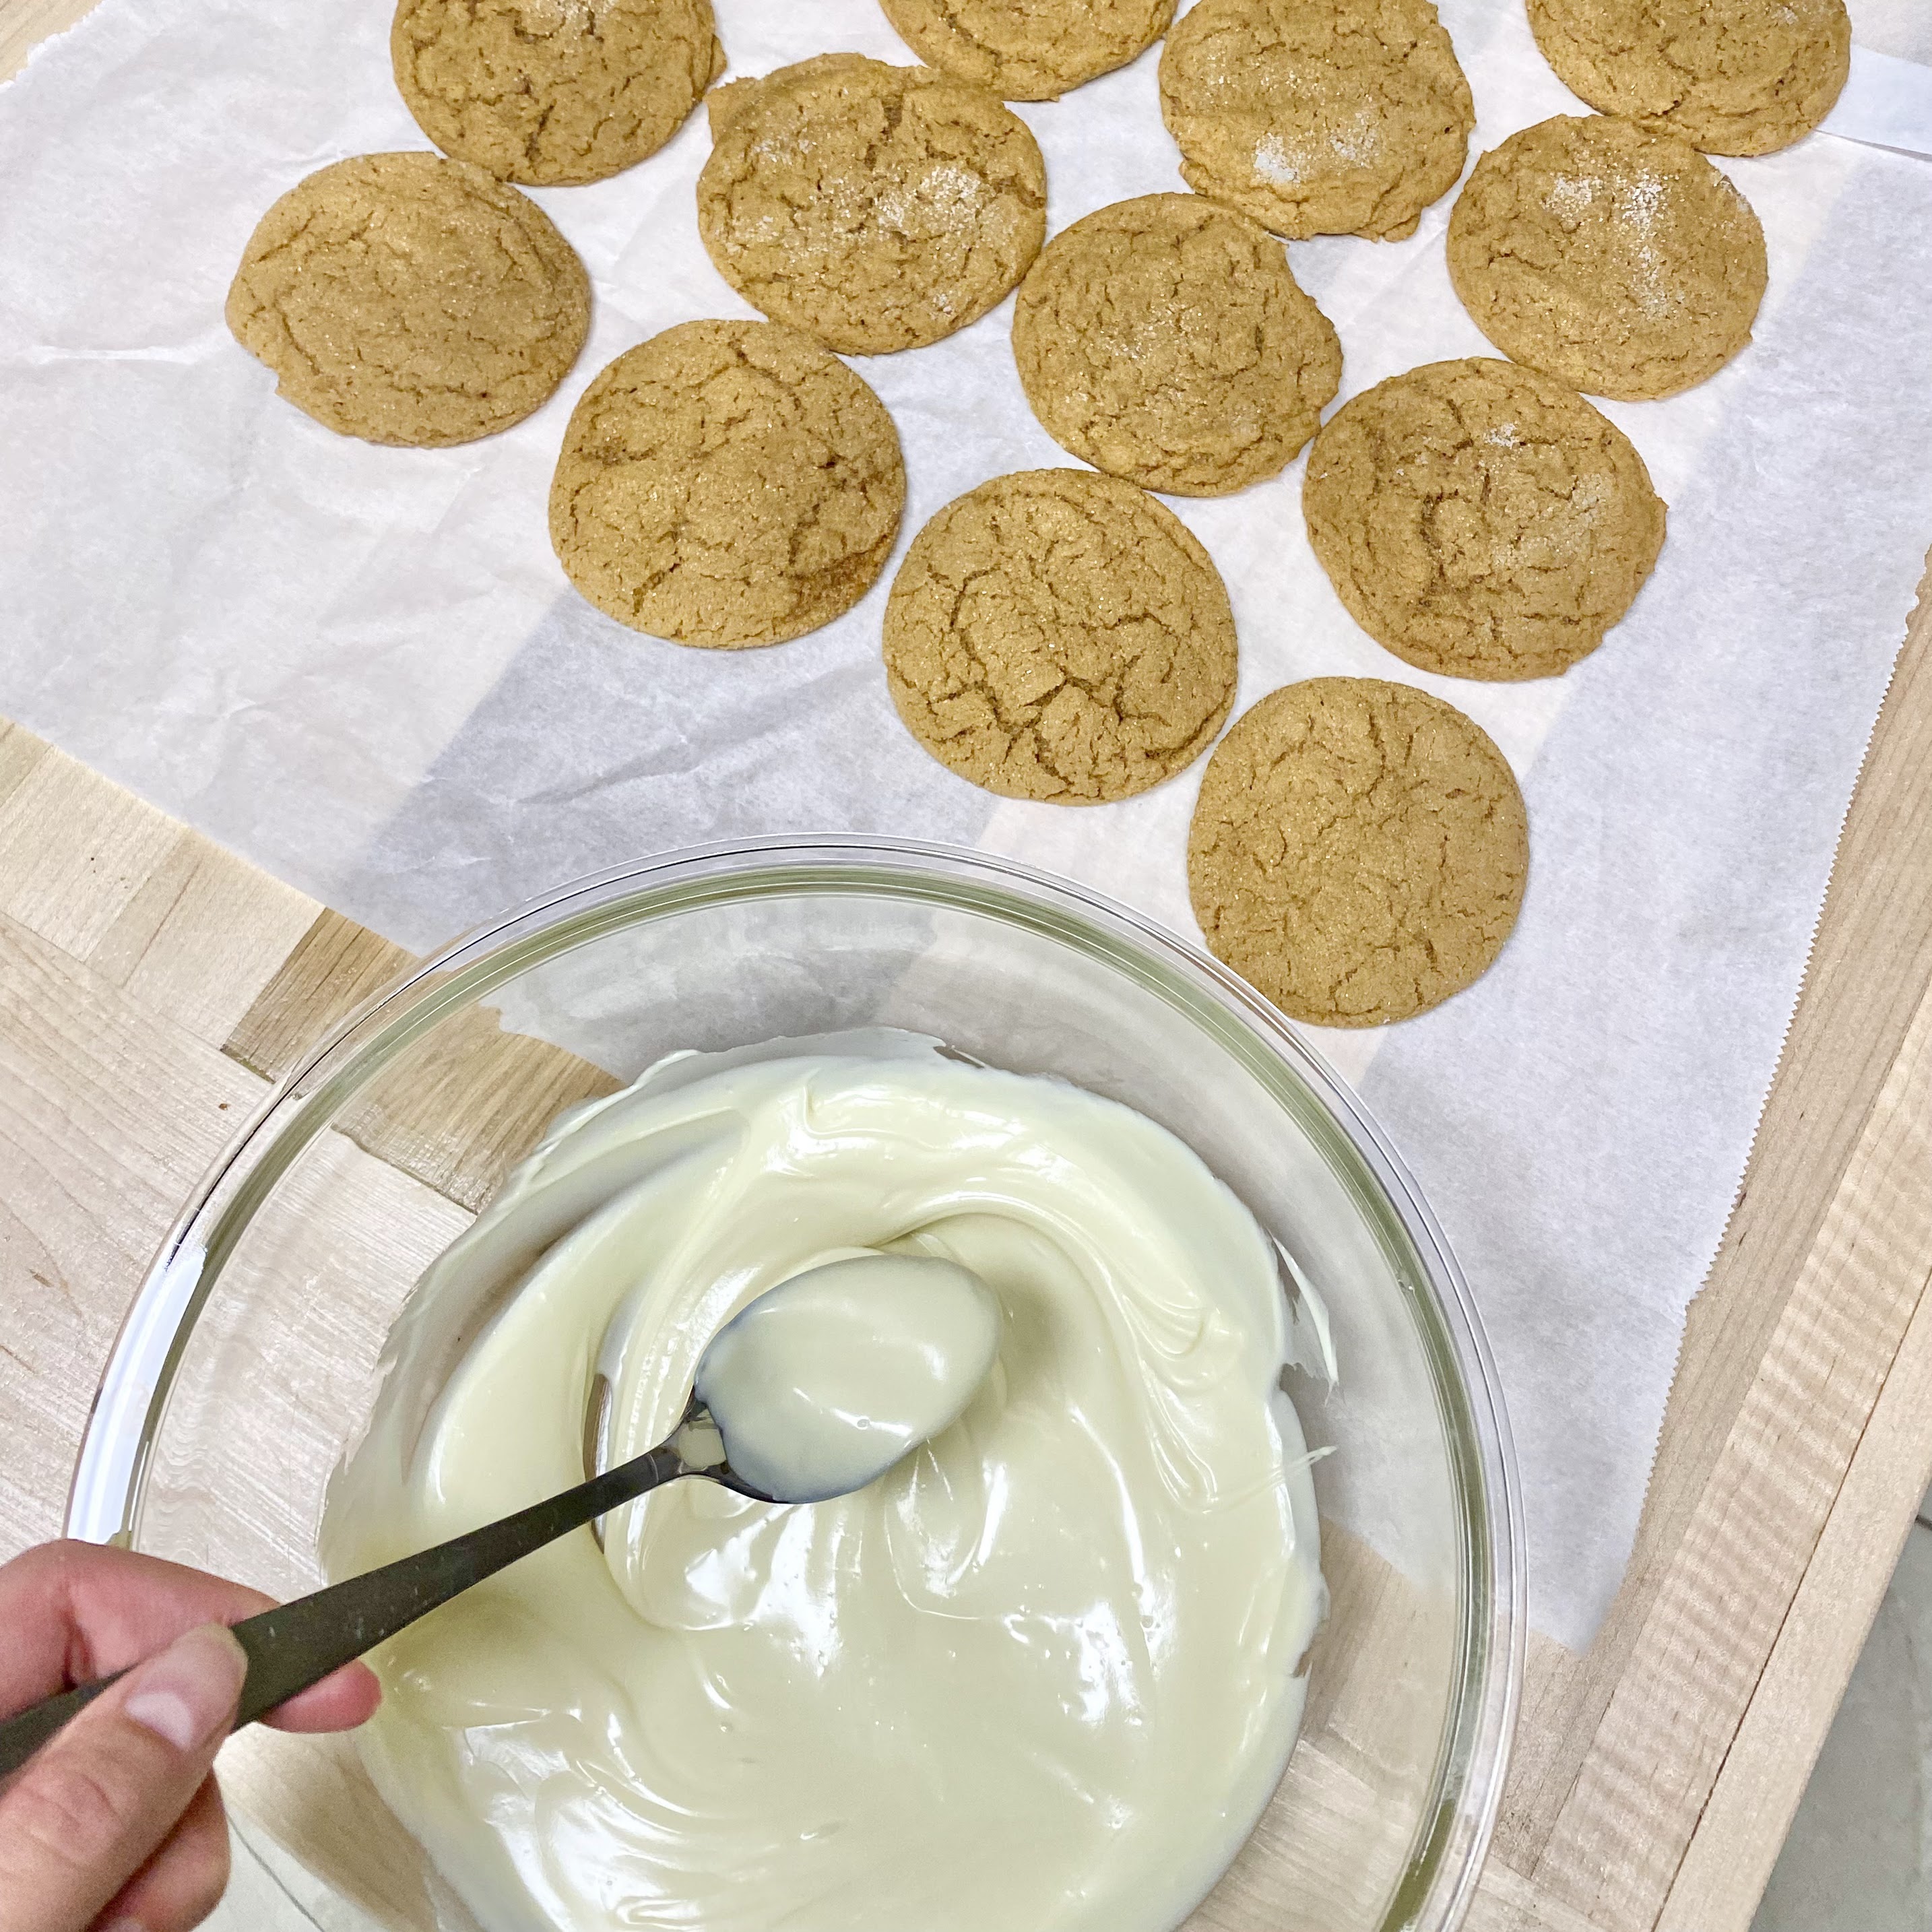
73 1611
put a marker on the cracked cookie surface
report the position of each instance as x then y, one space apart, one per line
727 483
1028 49
1166 339
1618 260
1358 851
405 298
1730 77
1058 634
1480 519
878 208
552 92
1318 117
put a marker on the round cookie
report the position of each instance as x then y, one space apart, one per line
1479 520
552 91
1730 77
1318 117
727 483
1028 49
1358 850
1058 634
879 207
1619 261
404 299
1166 339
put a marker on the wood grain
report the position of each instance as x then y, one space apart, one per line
24 24
108 1114
1878 1227
312 1795
334 965
126 944
130 948
463 1108
459 1110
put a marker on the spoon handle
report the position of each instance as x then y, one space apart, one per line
298 1644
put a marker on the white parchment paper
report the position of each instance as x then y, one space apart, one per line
362 668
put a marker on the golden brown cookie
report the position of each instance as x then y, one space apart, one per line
1056 634
1480 519
727 483
1619 261
1166 339
1730 77
879 207
1358 850
1318 117
552 91
1028 49
408 299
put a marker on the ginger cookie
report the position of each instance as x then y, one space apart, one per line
727 483
1619 261
878 207
1730 77
1056 634
1479 520
1318 117
1358 850
552 91
1166 341
404 299
1028 49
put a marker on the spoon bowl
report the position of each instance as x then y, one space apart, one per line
822 1384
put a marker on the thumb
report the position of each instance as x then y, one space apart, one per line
87 1811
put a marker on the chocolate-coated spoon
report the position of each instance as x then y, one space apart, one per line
813 1390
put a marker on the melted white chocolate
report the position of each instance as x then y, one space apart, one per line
1040 1677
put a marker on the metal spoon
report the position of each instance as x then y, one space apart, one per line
855 1364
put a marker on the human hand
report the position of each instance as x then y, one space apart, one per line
116 1823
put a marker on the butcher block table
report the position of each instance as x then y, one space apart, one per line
152 986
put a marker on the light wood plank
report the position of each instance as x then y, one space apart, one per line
1507 1902
24 24
202 937
114 1094
460 1109
20 752
333 968
288 1348
108 1115
78 852
1879 1224
313 1797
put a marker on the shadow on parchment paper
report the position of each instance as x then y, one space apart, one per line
598 746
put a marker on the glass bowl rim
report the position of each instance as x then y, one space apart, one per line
1446 1857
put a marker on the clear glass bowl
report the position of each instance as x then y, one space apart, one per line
247 1364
